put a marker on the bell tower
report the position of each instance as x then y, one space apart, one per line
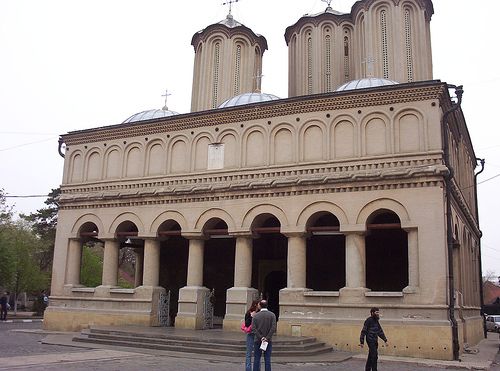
228 56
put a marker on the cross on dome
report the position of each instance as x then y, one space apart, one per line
328 2
230 3
166 95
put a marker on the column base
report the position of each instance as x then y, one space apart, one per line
190 314
238 301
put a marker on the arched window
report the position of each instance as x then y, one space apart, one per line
237 70
347 72
408 45
309 66
386 252
328 63
384 43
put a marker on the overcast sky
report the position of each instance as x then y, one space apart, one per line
76 64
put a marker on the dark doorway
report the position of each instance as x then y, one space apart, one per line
269 268
218 267
174 253
325 256
386 253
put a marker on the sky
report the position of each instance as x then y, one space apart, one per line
77 64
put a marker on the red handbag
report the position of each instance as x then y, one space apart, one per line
245 329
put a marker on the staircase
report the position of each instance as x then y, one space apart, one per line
205 342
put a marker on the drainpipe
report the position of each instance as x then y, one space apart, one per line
449 227
481 297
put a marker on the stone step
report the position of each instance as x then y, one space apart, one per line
300 347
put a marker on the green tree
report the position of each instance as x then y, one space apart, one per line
43 223
22 247
92 263
6 253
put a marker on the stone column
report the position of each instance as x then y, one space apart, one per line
241 295
195 262
110 264
355 260
413 266
355 268
74 262
139 264
296 261
151 270
191 297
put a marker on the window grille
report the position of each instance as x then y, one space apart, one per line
385 57
309 66
347 73
409 46
237 71
215 86
328 63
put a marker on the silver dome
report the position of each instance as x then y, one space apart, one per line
149 115
248 98
369 82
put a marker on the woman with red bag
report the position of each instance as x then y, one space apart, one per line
247 328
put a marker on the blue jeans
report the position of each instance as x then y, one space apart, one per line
248 359
258 354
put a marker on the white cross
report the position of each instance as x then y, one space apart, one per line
370 62
166 95
230 3
258 81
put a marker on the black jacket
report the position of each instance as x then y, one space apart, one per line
372 330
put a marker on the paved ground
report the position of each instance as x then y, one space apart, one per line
21 349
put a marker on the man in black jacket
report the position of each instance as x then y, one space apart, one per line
372 331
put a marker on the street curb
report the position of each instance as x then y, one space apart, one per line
22 320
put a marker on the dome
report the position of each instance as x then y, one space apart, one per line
149 115
248 98
369 82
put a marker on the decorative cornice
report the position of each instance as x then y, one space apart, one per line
203 35
393 94
429 173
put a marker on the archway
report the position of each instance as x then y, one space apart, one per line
174 251
386 252
218 268
131 255
269 269
91 255
325 256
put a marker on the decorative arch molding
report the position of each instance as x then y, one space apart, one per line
76 167
282 152
199 150
321 206
403 136
93 171
168 215
308 140
227 131
127 217
214 213
86 218
369 144
249 150
251 214
383 203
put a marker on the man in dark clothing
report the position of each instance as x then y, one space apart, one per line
4 300
372 331
263 326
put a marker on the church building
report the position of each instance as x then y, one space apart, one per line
358 190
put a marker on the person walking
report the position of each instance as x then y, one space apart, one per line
263 327
250 335
4 300
372 331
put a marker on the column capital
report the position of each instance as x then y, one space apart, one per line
194 236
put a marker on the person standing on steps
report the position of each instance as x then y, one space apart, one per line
372 331
263 326
4 301
251 312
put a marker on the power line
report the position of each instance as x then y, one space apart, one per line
493 177
27 144
25 133
25 196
